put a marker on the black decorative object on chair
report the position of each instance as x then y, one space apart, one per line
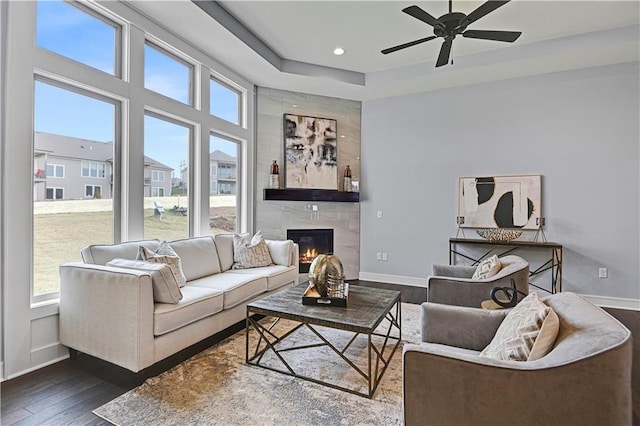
510 292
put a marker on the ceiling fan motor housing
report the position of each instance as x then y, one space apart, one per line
452 24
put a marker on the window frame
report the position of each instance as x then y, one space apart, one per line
54 190
106 17
231 87
155 175
55 166
172 53
93 190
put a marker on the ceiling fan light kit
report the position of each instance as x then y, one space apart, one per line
451 24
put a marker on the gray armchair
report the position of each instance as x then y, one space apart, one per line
453 284
584 380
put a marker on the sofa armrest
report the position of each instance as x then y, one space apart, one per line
459 326
107 312
444 385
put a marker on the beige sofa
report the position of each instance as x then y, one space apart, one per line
584 380
109 312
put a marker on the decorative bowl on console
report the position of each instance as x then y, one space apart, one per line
499 235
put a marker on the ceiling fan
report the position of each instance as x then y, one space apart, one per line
451 24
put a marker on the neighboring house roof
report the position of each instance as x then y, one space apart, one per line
156 164
82 149
66 146
222 157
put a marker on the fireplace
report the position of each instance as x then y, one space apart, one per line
312 242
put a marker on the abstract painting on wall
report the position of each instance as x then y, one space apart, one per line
311 152
500 202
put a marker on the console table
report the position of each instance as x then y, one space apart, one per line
502 248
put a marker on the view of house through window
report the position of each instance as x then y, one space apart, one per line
166 195
76 128
223 184
72 179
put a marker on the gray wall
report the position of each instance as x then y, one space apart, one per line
273 218
578 129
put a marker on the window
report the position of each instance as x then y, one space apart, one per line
93 169
167 144
79 34
55 171
223 201
166 74
72 123
55 193
157 176
224 101
94 191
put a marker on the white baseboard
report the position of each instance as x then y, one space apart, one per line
393 279
603 301
614 302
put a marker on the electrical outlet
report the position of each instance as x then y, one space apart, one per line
378 256
602 272
385 257
379 214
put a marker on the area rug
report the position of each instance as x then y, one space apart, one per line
216 387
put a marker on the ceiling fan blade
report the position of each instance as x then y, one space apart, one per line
405 45
508 36
445 51
484 9
420 14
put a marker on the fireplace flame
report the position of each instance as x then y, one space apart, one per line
309 255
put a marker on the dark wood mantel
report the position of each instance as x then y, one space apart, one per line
311 195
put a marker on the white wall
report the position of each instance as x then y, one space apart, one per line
578 129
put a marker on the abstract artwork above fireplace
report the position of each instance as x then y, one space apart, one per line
311 152
311 242
500 202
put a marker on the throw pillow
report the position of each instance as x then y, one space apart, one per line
528 322
165 286
280 251
165 254
487 268
250 252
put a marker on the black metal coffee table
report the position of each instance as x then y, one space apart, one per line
366 309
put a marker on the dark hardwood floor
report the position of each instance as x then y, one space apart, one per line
66 393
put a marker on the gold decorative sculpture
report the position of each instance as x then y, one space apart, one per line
326 277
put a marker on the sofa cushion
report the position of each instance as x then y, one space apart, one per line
280 251
237 288
250 252
196 303
165 285
487 268
165 254
100 254
199 256
520 329
224 244
277 275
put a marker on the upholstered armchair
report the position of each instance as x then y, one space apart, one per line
585 378
454 285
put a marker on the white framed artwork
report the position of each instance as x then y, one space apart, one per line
500 202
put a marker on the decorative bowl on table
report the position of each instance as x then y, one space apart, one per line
499 235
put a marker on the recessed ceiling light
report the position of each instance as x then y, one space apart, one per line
295 105
338 51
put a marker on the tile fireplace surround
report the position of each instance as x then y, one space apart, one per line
274 217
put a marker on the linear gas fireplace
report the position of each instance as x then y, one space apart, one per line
312 242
